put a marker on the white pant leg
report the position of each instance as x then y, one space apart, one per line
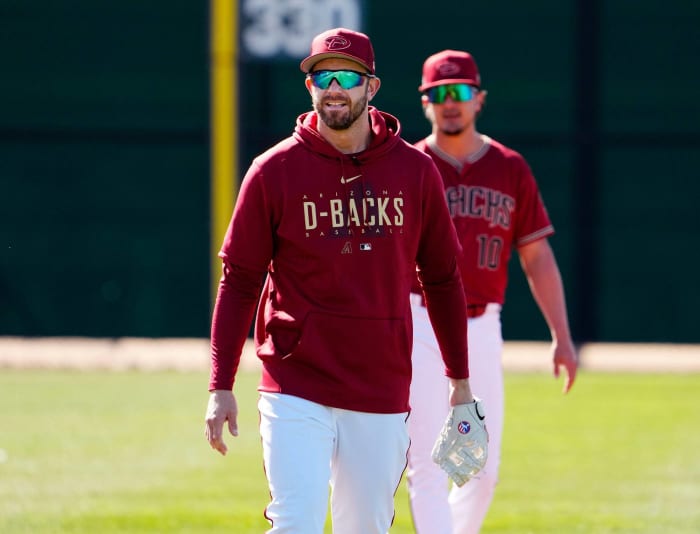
366 470
298 439
471 502
427 484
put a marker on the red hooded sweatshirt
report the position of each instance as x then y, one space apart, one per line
337 239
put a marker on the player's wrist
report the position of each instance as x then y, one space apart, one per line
460 391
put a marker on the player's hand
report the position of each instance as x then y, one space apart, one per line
461 449
222 407
564 355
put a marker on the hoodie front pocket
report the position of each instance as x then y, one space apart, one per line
283 333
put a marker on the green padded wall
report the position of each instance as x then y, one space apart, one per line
104 169
104 147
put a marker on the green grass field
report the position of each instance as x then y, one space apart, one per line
125 452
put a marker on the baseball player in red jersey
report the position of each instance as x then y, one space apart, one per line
495 206
335 218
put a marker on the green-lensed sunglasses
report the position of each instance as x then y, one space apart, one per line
459 92
347 79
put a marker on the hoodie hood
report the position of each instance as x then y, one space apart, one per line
386 131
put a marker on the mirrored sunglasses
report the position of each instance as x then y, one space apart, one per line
347 79
458 92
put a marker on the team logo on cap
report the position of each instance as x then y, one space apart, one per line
448 68
464 427
337 42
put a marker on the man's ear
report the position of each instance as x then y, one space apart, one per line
308 84
482 100
374 85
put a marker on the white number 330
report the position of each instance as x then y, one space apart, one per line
286 27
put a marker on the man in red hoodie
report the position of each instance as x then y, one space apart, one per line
336 218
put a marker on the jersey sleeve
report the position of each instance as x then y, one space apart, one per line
532 220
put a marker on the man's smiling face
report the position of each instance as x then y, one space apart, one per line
339 108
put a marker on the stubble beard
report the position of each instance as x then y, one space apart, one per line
341 119
449 130
452 132
454 128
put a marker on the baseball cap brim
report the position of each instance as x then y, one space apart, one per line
308 63
468 81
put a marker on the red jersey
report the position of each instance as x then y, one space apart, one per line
338 237
495 205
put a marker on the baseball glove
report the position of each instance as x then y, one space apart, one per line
461 448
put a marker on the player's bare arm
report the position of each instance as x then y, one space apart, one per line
542 272
222 407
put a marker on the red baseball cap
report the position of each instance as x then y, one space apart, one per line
449 66
340 43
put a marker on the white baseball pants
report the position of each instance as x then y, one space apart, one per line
307 446
435 508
